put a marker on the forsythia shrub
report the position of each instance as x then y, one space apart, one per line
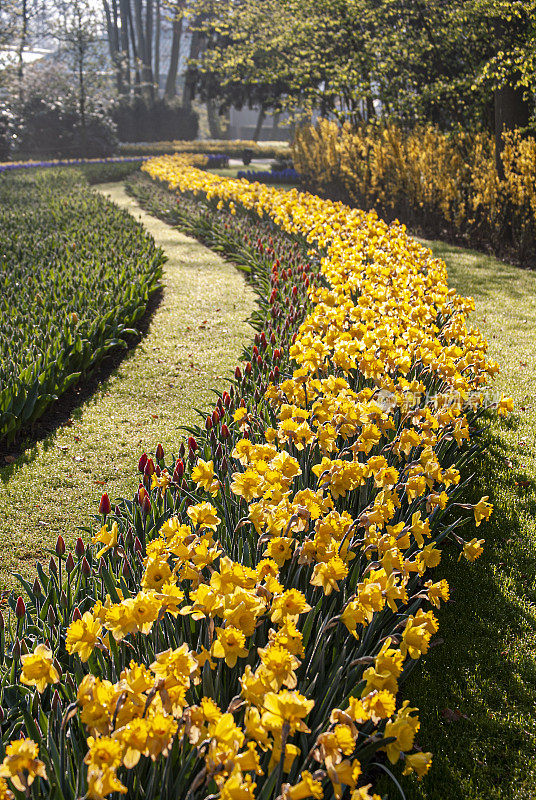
429 178
240 629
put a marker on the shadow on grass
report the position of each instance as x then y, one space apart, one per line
24 448
472 272
476 688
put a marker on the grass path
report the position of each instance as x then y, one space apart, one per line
194 341
477 688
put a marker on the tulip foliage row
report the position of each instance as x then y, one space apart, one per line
75 277
240 629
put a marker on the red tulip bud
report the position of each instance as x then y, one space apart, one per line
159 452
257 339
20 608
157 471
215 417
219 452
208 423
272 339
273 297
259 362
76 614
294 291
276 372
255 351
142 462
238 374
105 506
52 567
224 431
226 400
149 468
192 444
86 569
271 376
224 467
60 546
36 588
146 505
182 450
126 569
69 564
179 470
79 548
248 368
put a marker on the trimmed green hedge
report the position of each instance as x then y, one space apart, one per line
234 149
75 277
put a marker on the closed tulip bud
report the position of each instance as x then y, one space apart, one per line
105 506
63 599
149 468
255 351
259 362
55 704
248 368
219 452
179 470
224 467
157 471
146 506
86 569
213 440
69 564
192 444
76 614
277 354
225 431
137 546
215 417
182 450
142 462
231 393
263 343
15 653
227 400
208 423
238 374
60 546
276 372
36 588
142 491
79 547
294 291
159 452
51 616
126 569
20 608
271 376
273 297
272 338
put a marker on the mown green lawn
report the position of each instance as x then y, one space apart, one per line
476 689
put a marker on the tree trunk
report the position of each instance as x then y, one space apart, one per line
157 47
145 66
137 77
511 111
189 78
258 126
149 76
22 45
171 80
124 6
214 120
113 42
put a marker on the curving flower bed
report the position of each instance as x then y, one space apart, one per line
241 628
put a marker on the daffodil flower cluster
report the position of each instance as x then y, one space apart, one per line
253 641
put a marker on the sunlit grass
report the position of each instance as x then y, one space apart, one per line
194 342
476 689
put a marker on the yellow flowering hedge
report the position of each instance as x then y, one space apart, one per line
440 181
241 628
